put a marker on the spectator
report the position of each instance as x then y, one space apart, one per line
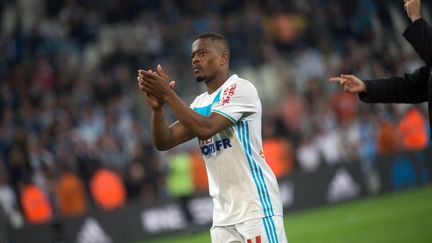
107 189
179 178
180 181
308 156
293 112
199 172
330 146
344 106
412 129
387 138
278 153
351 136
137 181
71 195
8 201
368 140
36 205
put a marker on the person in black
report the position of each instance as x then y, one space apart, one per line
413 87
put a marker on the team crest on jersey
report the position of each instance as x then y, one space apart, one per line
227 94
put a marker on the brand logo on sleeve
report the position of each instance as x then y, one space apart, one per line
210 147
227 94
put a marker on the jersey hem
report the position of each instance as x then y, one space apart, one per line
246 219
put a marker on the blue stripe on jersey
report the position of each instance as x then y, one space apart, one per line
269 236
274 230
240 132
205 110
255 169
261 177
267 225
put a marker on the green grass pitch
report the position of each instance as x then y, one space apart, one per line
400 217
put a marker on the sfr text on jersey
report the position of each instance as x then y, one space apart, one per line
209 147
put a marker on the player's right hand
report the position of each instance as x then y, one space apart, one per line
350 83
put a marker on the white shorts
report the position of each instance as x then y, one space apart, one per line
265 230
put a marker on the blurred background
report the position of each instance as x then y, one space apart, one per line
77 162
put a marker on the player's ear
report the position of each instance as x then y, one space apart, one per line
224 58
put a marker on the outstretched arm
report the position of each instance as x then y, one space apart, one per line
412 88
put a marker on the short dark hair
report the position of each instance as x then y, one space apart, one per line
214 37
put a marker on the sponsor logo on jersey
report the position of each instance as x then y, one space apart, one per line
227 94
210 147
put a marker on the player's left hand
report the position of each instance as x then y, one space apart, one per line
156 84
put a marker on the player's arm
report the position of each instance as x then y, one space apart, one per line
190 122
201 126
164 136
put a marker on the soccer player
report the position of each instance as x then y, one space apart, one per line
227 122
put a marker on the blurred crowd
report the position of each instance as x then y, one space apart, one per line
74 127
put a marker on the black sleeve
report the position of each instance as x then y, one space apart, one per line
419 35
412 88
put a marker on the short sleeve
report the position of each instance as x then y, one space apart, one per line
236 100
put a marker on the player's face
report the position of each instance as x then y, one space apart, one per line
205 59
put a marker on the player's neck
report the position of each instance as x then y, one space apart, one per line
217 82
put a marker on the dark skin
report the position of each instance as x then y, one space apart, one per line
210 62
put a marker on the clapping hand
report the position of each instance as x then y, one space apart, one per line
154 85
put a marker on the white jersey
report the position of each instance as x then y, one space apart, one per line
242 185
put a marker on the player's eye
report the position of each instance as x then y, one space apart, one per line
199 53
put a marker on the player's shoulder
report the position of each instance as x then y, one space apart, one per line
199 99
242 83
202 95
